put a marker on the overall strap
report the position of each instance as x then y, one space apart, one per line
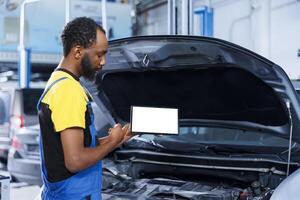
38 108
47 90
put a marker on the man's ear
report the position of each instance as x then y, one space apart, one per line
77 52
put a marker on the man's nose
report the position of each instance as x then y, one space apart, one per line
103 61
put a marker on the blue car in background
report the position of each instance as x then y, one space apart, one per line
23 158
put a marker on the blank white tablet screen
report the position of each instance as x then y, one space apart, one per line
154 120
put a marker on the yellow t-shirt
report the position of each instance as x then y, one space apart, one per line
67 101
65 105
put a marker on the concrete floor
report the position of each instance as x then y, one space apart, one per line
21 191
24 192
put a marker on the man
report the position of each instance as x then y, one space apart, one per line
71 158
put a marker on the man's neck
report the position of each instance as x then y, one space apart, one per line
65 63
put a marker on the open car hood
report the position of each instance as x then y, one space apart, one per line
211 81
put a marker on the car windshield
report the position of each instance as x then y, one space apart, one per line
192 138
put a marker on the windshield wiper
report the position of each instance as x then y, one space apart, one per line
189 146
138 141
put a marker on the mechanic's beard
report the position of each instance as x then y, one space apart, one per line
87 70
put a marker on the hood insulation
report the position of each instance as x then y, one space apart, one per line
216 93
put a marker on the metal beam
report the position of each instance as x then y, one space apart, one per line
191 17
24 71
171 17
104 17
67 12
184 17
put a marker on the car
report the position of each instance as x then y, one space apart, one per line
23 158
239 120
5 106
287 189
10 105
24 152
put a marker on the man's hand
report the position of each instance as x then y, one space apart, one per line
128 133
118 135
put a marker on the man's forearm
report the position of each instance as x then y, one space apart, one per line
77 157
89 156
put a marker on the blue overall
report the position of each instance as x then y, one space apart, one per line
83 185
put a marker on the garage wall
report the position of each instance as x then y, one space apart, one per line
285 36
151 17
274 34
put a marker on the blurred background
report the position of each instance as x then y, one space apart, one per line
268 27
30 48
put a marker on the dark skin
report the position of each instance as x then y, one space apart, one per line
77 157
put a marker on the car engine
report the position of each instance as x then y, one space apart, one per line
118 185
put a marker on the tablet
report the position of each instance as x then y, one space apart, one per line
154 120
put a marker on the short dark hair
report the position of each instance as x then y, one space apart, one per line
80 31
